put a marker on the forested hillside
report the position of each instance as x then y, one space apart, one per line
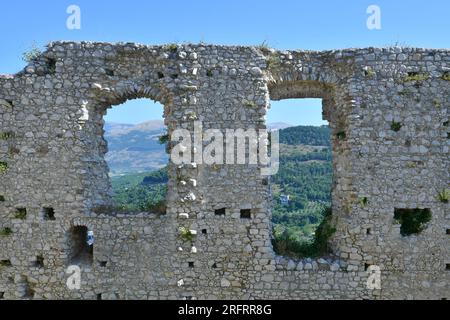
141 191
305 176
306 135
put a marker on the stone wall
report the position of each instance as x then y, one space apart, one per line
53 152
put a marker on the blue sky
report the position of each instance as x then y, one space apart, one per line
317 24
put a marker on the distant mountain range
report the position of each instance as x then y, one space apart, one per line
135 148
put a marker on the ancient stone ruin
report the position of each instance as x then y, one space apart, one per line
388 111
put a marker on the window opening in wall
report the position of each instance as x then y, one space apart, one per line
136 156
81 253
301 190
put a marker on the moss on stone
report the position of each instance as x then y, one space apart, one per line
446 76
186 234
286 245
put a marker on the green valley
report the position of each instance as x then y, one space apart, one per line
300 191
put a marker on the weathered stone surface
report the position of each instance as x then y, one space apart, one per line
57 103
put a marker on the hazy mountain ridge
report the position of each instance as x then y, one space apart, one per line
117 129
134 148
279 125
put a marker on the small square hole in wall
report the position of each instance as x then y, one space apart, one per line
48 214
214 266
220 212
2 198
368 231
246 213
204 231
447 266
109 72
103 264
99 296
39 262
447 231
366 266
2 295
191 264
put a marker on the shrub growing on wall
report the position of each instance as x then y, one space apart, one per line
412 221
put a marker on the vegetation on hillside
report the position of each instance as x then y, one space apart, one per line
306 135
287 242
141 192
